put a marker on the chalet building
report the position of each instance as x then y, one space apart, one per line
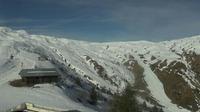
39 75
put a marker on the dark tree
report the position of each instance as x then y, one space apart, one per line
124 102
144 105
155 109
93 96
78 81
161 110
11 56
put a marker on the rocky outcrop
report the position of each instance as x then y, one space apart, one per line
175 86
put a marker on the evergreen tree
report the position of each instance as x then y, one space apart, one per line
144 105
124 102
93 96
161 110
78 81
155 109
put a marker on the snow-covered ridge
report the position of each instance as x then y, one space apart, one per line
71 56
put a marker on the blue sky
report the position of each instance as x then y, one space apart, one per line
104 20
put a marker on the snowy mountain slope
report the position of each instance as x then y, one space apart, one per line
109 66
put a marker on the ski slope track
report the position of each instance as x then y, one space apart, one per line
97 64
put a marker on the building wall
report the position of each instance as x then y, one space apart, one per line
37 80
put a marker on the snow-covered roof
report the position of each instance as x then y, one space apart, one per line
29 107
39 72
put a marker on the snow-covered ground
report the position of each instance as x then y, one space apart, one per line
72 54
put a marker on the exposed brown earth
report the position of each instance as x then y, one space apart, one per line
139 84
174 85
193 60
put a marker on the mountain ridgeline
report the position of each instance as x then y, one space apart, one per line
163 74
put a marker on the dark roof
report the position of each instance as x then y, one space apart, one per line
39 72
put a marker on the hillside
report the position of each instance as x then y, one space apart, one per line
164 73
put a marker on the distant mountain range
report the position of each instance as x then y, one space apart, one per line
165 73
